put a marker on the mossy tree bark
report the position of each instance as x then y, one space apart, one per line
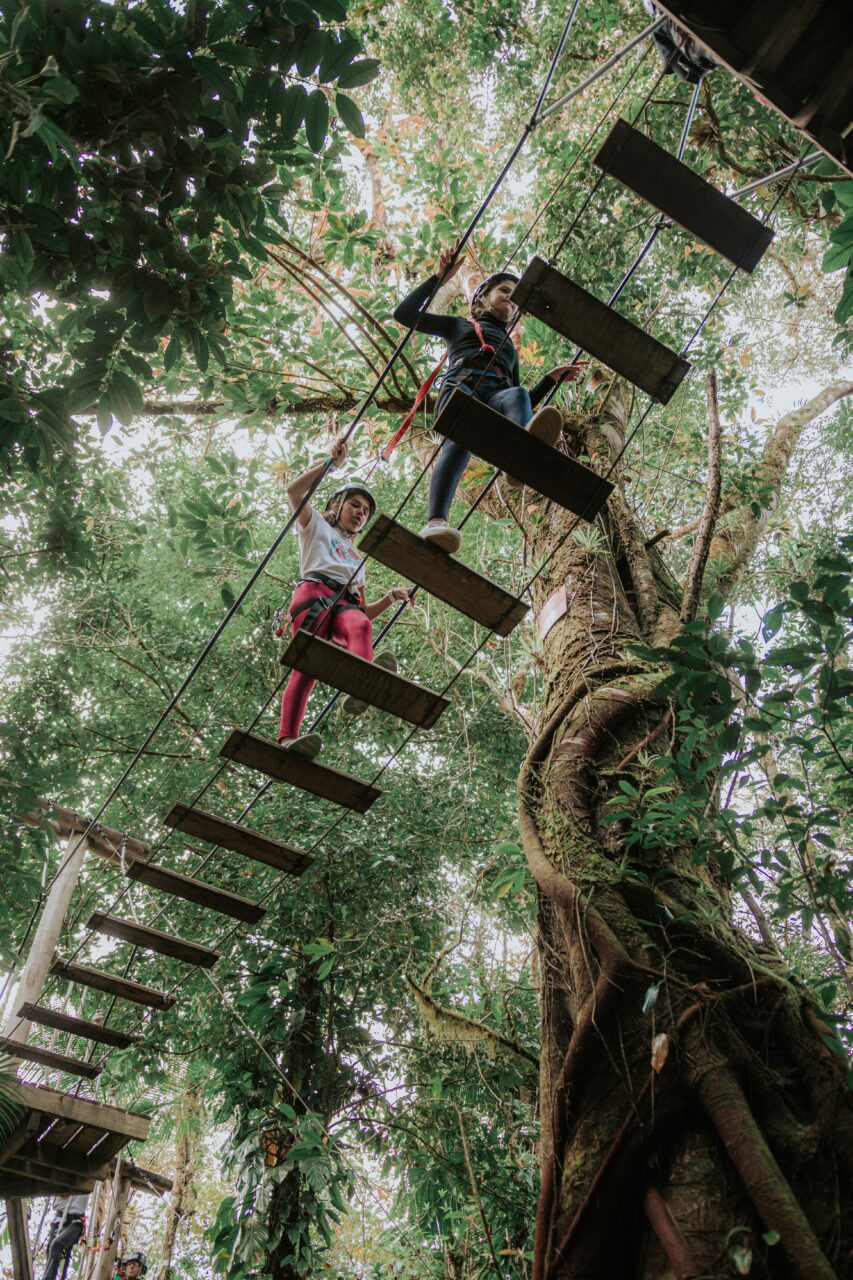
748 1124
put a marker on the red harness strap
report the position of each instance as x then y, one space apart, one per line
424 391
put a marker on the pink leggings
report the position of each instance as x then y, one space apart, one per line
349 628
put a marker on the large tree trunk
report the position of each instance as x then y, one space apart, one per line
748 1123
183 1190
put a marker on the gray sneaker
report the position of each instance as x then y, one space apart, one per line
442 535
352 706
547 426
308 745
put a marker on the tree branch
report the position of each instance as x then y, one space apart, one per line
710 508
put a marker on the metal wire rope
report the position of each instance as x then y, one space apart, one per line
534 120
234 929
790 169
266 786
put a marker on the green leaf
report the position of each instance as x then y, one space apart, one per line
23 246
350 114
60 87
316 119
359 73
292 109
104 416
836 257
173 353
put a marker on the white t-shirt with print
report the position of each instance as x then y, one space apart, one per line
324 549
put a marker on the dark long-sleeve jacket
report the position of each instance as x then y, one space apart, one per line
463 345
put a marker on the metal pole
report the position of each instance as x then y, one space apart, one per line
780 173
596 75
22 1258
43 946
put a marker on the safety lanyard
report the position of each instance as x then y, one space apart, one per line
425 387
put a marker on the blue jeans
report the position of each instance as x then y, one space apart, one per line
512 402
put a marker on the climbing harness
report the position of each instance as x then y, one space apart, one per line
317 606
486 349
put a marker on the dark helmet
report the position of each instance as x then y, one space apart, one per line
347 491
491 281
139 1257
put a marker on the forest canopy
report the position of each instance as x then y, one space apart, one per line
597 923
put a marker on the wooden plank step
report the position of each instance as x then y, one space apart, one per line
206 895
76 1026
653 173
795 54
98 980
165 944
319 779
98 1115
624 347
494 438
442 576
230 835
47 1058
336 666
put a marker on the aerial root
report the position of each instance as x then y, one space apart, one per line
763 1180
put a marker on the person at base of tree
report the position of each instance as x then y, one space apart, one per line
133 1267
328 562
483 361
66 1228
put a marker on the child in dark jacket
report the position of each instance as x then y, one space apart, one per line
482 361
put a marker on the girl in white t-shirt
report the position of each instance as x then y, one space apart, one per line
328 561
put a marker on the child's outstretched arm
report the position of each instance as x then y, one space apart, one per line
299 487
384 602
409 311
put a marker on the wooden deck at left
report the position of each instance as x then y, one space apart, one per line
62 1144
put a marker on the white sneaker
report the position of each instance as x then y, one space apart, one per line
442 535
309 745
546 425
352 706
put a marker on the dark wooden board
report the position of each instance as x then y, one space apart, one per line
99 1115
206 895
494 438
319 779
165 944
23 1178
625 348
796 55
98 980
73 1163
655 174
335 666
76 1026
442 576
47 1058
230 835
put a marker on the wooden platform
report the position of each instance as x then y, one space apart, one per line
187 887
165 944
61 1143
230 835
76 1026
284 766
47 1058
335 666
442 576
98 980
796 54
667 184
494 438
625 348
